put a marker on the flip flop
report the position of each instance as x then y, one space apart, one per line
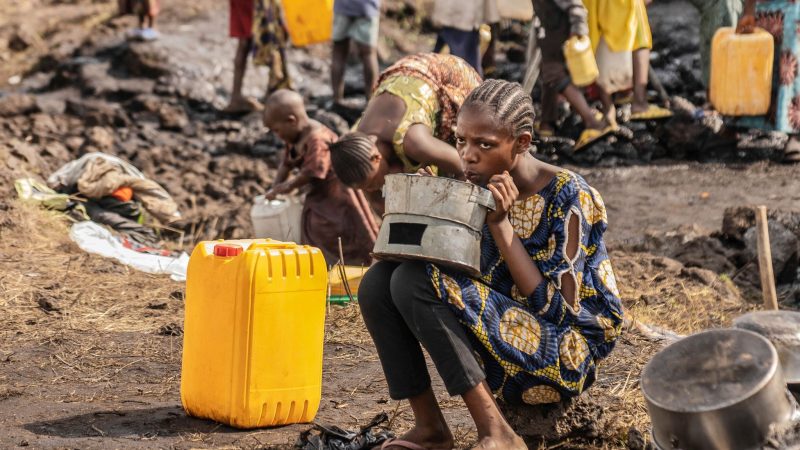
623 99
653 112
402 444
590 135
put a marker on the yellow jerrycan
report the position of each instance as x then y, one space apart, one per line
741 72
308 21
253 332
580 59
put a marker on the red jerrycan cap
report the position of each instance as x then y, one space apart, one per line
227 250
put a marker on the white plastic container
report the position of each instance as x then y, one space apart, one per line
278 219
616 68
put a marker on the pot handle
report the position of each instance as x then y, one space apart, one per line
482 197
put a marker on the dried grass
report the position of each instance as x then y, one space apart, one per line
87 322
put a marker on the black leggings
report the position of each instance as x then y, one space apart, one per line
402 311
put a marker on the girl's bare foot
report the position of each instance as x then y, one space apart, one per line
505 442
430 437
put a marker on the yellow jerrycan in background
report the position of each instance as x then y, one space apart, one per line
580 59
253 332
308 21
741 72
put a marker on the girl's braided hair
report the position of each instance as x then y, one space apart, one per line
350 157
510 105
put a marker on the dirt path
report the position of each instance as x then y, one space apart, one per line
664 198
84 362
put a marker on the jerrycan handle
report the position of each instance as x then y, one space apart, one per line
270 244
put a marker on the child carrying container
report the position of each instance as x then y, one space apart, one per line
562 19
331 209
545 309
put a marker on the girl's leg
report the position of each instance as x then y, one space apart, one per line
641 65
439 331
401 357
578 102
493 430
338 65
609 110
238 101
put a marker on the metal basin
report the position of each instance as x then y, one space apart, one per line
433 219
782 328
719 389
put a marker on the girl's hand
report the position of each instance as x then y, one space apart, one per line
426 172
746 25
278 189
505 193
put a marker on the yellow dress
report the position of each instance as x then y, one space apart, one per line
433 87
623 24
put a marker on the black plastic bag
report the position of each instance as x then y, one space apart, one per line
335 438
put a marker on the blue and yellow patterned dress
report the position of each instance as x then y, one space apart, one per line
538 349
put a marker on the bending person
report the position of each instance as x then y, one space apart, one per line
408 124
331 209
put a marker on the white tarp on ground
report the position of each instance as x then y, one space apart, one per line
94 238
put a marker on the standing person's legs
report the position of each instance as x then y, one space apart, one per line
489 59
436 327
341 48
369 59
153 8
241 28
271 41
556 80
641 66
365 33
243 46
465 45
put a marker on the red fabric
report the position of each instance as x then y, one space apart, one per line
241 19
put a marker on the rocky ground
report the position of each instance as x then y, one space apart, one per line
90 350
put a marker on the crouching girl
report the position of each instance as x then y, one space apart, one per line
544 311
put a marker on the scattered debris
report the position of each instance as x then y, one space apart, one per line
331 437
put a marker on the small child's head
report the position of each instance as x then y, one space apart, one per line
494 127
356 161
285 115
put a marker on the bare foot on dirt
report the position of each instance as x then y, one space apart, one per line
506 442
436 437
240 105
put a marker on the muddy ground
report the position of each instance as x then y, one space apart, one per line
90 350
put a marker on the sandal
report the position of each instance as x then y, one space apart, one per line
591 135
653 112
623 99
791 153
402 444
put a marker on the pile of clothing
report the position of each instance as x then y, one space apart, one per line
117 194
100 189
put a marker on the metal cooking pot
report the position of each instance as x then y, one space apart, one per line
719 389
782 328
433 219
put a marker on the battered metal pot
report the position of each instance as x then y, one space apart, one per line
782 328
433 219
719 389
